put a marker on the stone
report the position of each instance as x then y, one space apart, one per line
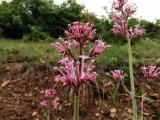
34 114
5 83
97 114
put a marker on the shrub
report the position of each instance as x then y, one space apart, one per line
36 34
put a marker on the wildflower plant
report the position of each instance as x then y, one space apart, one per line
123 10
150 74
76 70
119 76
51 102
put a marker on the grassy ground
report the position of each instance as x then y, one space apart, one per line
11 50
144 52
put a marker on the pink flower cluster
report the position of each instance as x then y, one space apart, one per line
62 46
80 33
76 75
98 48
134 32
77 69
51 99
118 75
124 10
151 72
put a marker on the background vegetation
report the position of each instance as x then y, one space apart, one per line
27 27
35 20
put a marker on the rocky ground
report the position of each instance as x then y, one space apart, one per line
22 86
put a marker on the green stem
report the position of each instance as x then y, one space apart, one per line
134 104
142 100
142 105
76 107
48 114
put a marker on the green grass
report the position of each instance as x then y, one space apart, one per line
144 52
11 50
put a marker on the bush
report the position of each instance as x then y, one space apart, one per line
36 34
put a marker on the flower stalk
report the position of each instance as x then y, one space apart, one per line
78 71
133 94
48 114
51 102
76 107
123 10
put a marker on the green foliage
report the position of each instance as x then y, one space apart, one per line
37 34
145 52
152 30
65 14
37 19
19 17
14 18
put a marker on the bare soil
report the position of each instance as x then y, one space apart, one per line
22 86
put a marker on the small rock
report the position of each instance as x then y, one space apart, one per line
42 61
36 88
158 61
5 83
34 114
154 95
102 111
42 91
130 111
28 94
146 114
60 108
96 102
113 112
97 115
67 104
105 105
108 74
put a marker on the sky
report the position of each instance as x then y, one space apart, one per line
146 9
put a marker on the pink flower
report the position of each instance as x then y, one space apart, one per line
63 61
137 31
80 33
151 72
62 46
76 75
118 4
59 47
55 104
120 29
118 75
120 17
51 99
130 9
117 18
50 93
44 103
98 48
76 71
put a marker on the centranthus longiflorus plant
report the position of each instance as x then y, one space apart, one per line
122 11
76 66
